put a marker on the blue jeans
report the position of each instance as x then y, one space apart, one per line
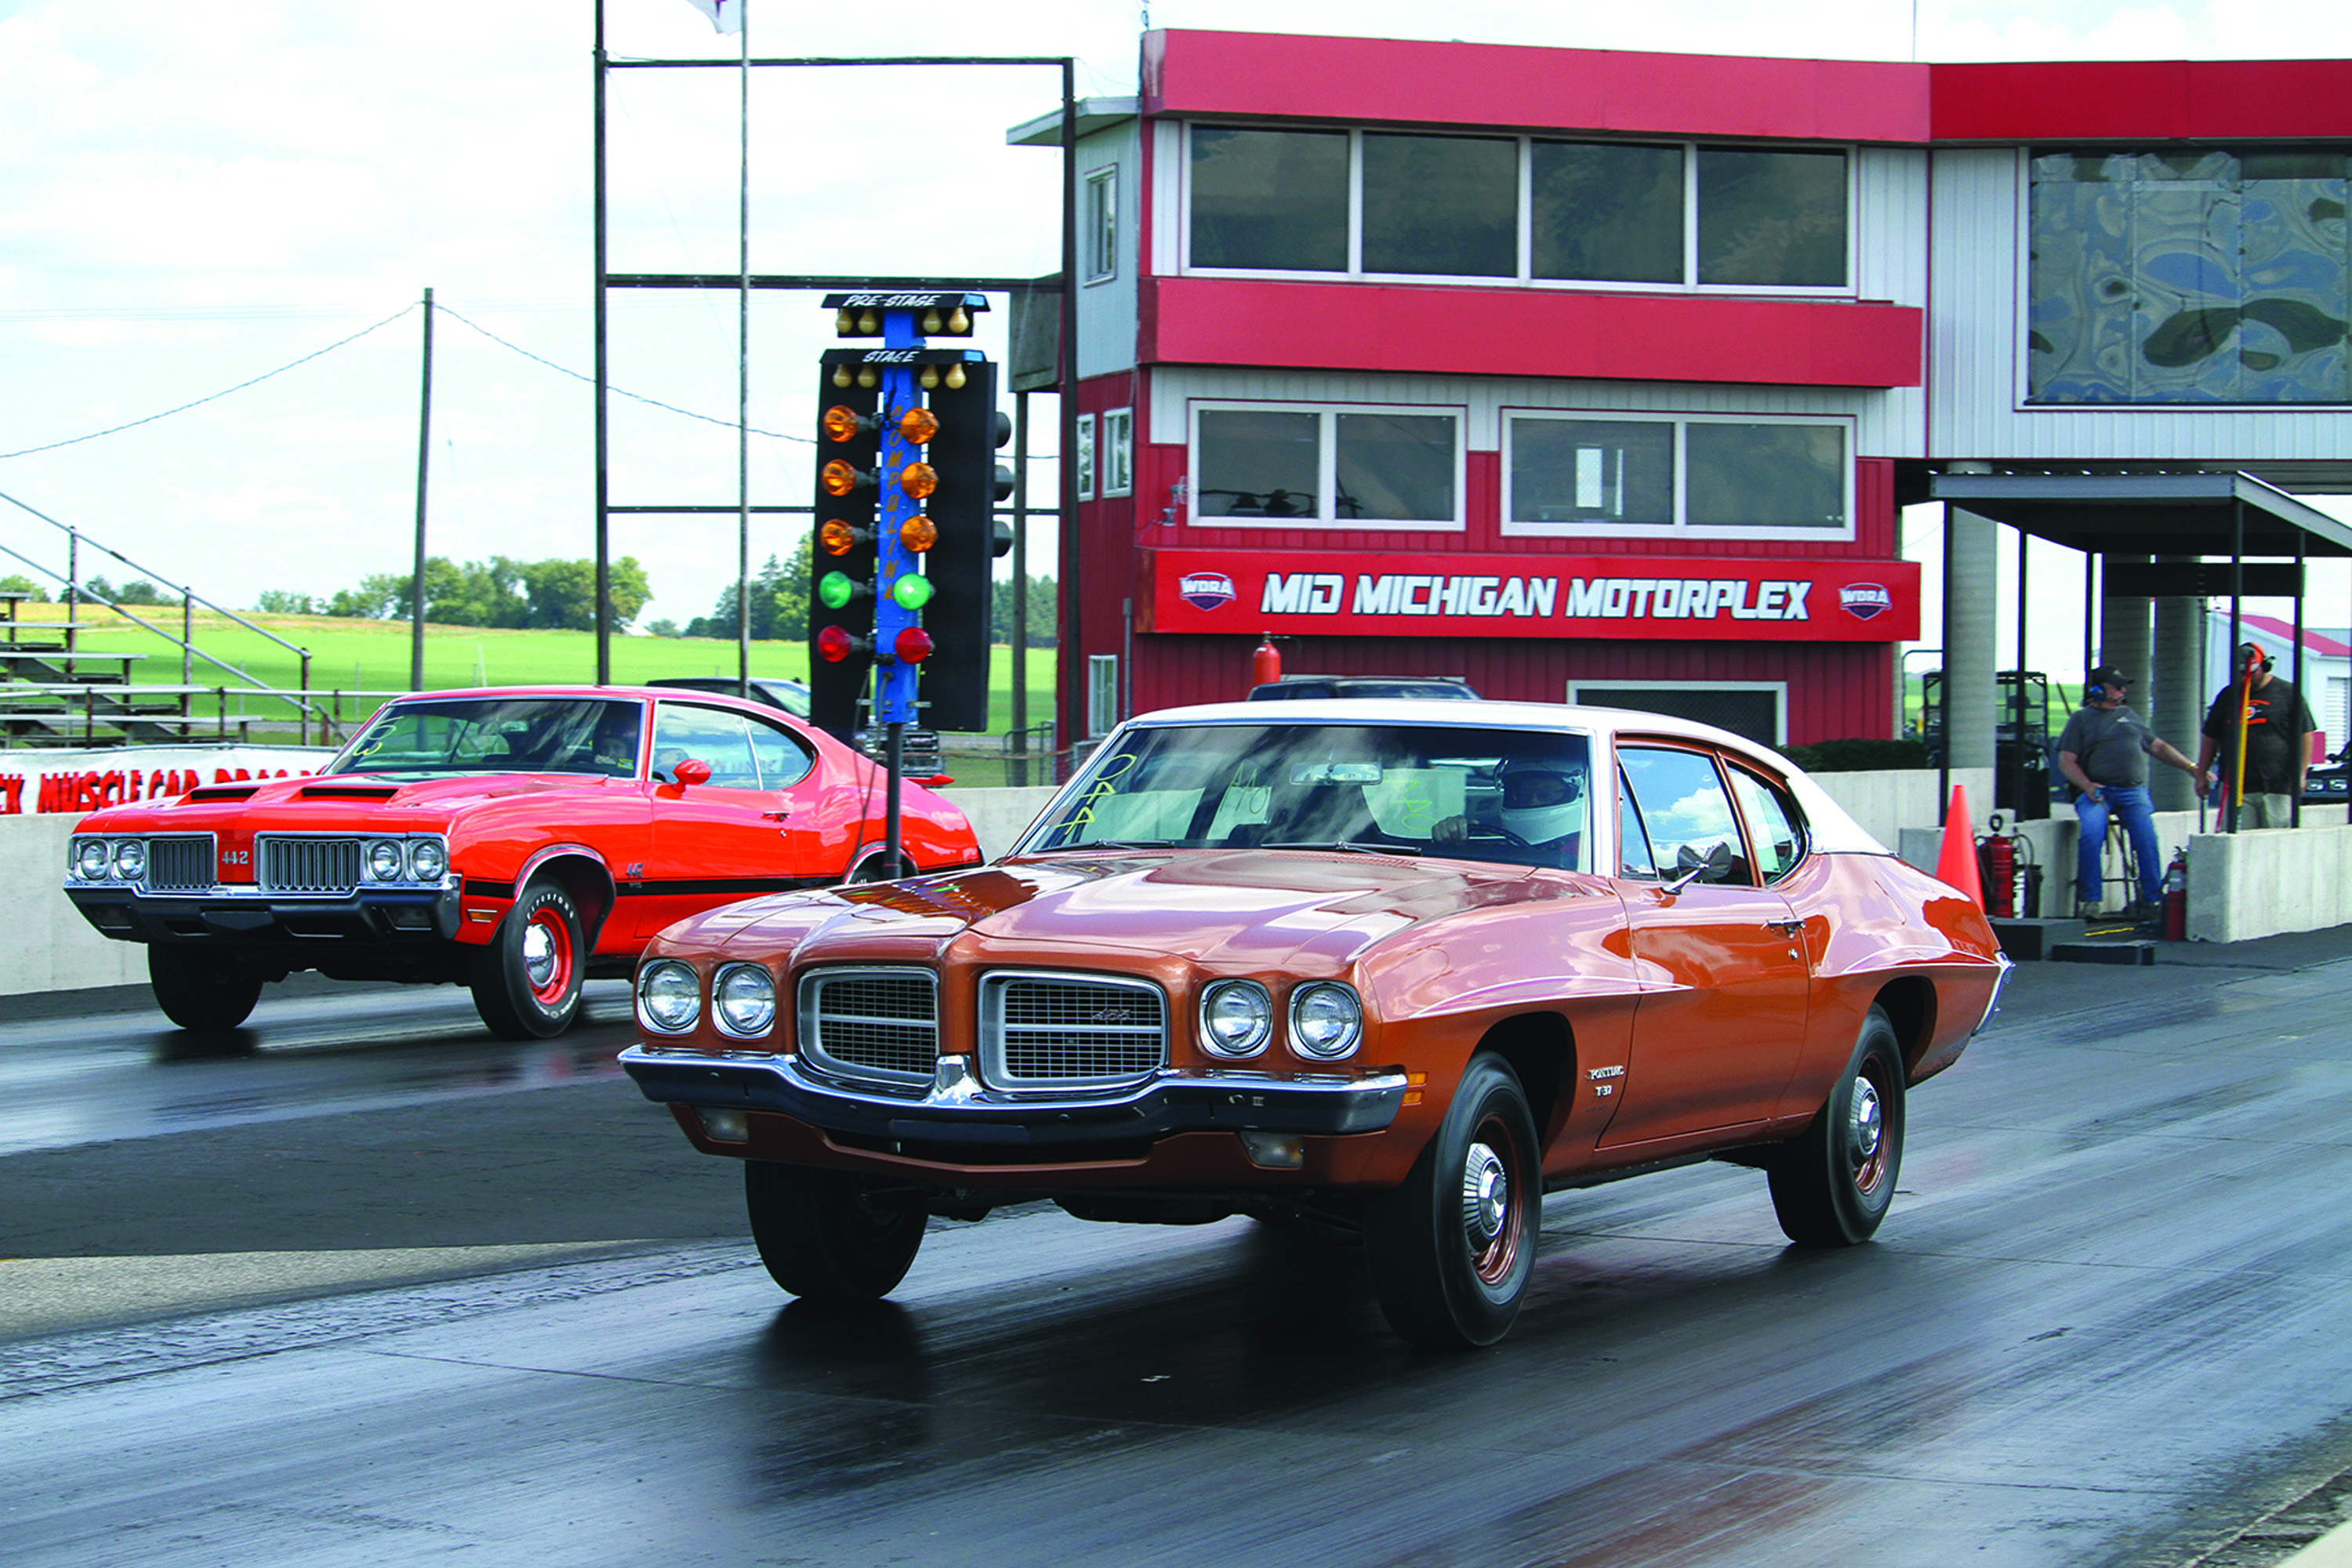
2130 802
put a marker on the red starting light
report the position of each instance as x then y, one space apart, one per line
835 644
913 646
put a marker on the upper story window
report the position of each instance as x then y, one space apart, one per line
1102 225
1397 205
1293 465
1675 476
1118 452
2190 275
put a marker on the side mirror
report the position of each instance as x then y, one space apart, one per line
1693 867
692 771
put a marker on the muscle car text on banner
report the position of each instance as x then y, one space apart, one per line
1248 591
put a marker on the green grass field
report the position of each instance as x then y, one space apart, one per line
371 656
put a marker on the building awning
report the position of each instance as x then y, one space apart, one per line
2150 514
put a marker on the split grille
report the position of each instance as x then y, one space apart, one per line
308 865
878 1024
179 865
1065 1031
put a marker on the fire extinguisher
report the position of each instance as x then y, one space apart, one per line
1997 861
1266 663
2176 898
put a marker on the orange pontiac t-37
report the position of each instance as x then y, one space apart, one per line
1396 968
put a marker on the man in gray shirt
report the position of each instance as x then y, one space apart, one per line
2103 752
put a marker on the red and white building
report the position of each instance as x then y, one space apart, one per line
1604 377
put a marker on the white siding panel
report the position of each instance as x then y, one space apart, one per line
1175 388
1891 264
1107 310
1167 196
1976 333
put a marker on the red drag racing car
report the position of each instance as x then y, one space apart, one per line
515 841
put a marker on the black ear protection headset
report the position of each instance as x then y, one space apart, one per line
2255 649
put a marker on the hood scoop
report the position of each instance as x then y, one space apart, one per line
346 792
221 792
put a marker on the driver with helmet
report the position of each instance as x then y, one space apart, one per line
1543 809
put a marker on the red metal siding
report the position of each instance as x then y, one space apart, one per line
1399 81
1529 331
2142 99
1836 691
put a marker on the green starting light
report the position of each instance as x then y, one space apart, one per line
912 591
836 589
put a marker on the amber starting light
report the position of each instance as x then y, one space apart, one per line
838 477
918 426
840 422
917 533
918 480
837 537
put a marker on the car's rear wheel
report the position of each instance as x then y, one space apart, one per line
526 981
830 1236
198 988
1453 1248
880 868
1832 1185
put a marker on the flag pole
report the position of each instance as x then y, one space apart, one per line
743 364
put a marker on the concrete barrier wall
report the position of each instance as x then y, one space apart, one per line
1000 816
49 946
2245 885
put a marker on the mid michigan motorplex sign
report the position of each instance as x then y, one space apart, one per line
1517 596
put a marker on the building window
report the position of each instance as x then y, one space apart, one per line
1447 205
1102 225
1755 709
1270 200
1345 467
1689 476
2188 275
1086 457
1102 693
1390 203
1118 452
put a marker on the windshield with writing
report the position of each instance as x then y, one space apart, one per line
1468 792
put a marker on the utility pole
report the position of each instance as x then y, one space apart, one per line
423 457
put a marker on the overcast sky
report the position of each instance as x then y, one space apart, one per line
192 196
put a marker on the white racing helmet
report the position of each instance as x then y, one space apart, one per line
1543 799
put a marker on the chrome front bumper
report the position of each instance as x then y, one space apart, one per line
958 1109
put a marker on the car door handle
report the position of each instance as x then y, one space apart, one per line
1788 928
775 816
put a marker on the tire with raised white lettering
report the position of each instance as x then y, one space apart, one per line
526 983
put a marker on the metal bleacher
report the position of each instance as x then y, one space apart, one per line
55 693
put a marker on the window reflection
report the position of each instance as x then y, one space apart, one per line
1609 214
1442 206
1394 467
1772 219
1592 470
1765 476
1275 200
1256 463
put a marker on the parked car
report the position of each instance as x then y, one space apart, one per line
2328 785
919 756
1387 968
513 841
1303 687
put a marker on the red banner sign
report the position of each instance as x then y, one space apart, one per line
1444 594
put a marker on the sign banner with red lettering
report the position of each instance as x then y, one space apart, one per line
79 782
1689 597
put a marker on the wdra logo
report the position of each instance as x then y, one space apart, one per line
1205 590
1865 601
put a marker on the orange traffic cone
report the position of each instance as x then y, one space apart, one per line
1956 862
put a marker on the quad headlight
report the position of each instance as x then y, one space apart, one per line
385 861
1326 1020
131 860
91 858
743 997
428 859
1236 1018
669 996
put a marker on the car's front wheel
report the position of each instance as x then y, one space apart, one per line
829 1235
526 981
198 988
1832 1185
1453 1248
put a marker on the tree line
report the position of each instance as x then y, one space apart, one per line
780 599
551 595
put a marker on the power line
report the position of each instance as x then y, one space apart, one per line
214 397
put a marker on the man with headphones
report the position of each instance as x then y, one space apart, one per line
2279 730
2103 752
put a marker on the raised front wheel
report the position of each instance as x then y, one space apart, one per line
1453 1248
829 1235
1832 1185
526 981
198 988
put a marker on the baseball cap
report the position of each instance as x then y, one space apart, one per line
2108 675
